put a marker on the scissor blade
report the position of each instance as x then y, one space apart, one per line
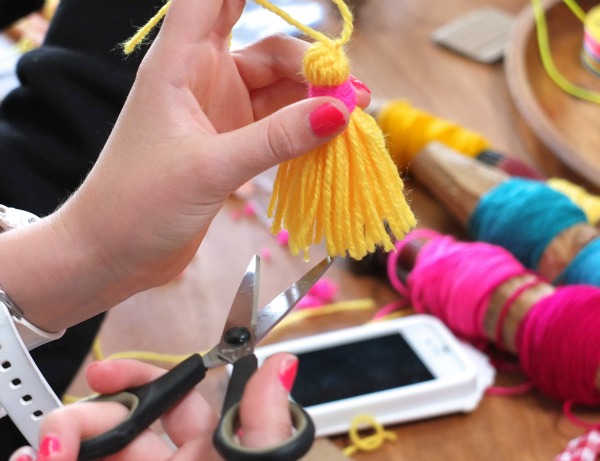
278 308
244 306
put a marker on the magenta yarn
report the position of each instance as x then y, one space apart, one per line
559 344
344 92
558 340
446 283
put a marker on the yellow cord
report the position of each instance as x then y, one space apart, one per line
138 38
333 308
546 55
309 31
370 442
576 9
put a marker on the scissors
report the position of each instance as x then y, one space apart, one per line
244 328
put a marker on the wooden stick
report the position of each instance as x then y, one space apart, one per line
459 182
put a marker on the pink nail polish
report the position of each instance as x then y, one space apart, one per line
24 458
287 372
326 120
48 447
359 85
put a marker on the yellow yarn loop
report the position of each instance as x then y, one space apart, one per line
409 129
371 442
590 204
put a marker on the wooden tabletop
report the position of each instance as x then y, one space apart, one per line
392 52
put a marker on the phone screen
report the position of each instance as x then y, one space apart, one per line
354 369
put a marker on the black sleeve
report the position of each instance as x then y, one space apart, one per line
12 10
52 128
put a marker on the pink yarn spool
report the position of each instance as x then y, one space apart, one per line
558 340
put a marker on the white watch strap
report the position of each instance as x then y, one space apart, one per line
24 393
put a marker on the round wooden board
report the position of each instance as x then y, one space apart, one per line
568 126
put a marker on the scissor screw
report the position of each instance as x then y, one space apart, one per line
237 336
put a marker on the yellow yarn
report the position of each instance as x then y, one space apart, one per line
409 129
328 309
138 38
348 190
371 442
590 204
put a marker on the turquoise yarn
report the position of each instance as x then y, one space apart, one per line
523 216
584 268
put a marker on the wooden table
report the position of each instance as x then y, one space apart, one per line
392 52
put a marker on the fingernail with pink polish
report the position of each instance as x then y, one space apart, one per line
23 457
327 119
359 85
48 446
23 454
287 372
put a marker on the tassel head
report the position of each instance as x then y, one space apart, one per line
326 64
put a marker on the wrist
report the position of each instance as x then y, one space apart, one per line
63 271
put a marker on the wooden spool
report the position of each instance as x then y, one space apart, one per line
459 182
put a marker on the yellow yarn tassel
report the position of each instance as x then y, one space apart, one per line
409 129
348 191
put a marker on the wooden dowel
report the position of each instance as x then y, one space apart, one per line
459 182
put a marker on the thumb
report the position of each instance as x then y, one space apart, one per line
284 135
264 408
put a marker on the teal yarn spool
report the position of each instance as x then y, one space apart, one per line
523 216
584 269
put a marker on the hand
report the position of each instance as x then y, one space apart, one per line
198 123
190 424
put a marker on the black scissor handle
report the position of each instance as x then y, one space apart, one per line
146 404
224 438
291 449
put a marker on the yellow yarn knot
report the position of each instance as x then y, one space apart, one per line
370 442
326 64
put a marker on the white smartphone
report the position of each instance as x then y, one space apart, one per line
395 371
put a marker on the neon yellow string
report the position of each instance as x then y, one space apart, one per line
370 442
576 9
547 61
328 309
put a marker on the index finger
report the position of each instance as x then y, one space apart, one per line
192 21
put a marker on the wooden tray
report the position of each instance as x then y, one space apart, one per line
568 126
